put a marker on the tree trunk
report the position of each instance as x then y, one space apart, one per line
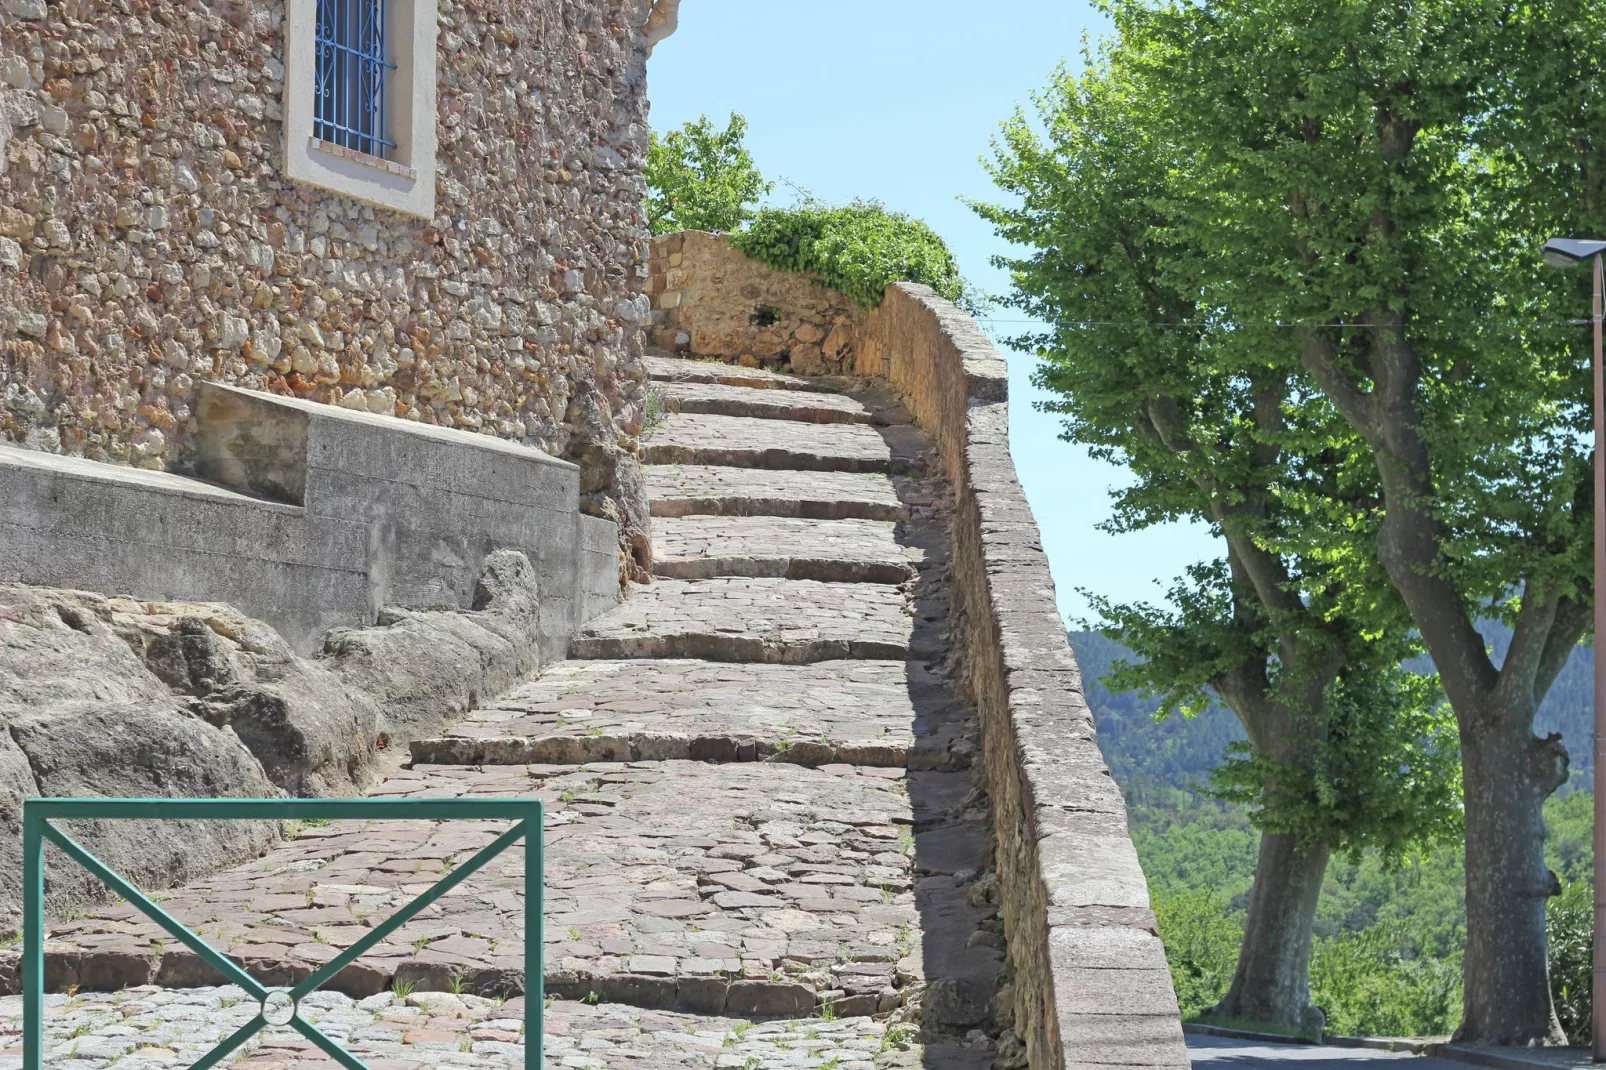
1272 983
1507 777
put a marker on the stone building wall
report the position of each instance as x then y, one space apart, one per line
148 240
710 300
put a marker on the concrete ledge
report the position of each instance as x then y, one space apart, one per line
312 517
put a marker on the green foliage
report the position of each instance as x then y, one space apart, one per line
1288 255
1372 984
1148 755
856 250
1570 832
1570 925
1385 773
1377 176
653 413
1387 954
1190 844
700 178
1294 626
1201 947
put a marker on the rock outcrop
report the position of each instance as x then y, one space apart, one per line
111 696
85 715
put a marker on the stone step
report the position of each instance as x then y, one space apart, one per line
757 889
709 490
835 551
763 620
717 399
680 370
93 1030
747 442
870 713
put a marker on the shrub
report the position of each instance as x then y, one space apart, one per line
1201 946
1570 925
699 178
1370 984
856 250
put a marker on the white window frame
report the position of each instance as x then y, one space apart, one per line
406 181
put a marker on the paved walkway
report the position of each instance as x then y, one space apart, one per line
764 845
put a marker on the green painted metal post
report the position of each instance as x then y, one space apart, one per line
33 939
534 939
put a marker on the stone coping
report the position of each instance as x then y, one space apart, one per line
1092 986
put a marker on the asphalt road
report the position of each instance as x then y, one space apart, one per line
1220 1053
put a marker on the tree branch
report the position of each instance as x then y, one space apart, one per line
1320 358
1572 621
1410 539
1530 639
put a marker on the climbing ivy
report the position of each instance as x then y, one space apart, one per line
856 250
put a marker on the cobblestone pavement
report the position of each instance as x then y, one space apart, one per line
675 370
766 844
148 1028
835 551
684 885
862 712
714 490
748 442
738 618
718 398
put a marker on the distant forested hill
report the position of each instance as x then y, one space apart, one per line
1178 752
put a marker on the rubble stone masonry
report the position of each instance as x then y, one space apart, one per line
149 239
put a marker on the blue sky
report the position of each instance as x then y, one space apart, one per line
896 100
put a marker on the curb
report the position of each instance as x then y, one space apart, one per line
1512 1058
1412 1045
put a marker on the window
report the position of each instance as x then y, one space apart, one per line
350 104
359 100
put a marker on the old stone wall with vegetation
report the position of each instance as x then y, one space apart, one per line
149 241
710 300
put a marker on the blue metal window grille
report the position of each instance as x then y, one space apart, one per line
349 105
279 1006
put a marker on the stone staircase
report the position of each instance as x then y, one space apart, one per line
761 801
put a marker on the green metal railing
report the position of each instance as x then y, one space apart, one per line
278 1006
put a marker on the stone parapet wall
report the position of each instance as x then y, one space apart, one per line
1091 984
149 240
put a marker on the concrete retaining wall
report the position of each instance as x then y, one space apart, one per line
314 517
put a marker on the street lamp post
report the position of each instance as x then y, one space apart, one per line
1567 252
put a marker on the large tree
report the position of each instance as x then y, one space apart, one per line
1372 179
1287 628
